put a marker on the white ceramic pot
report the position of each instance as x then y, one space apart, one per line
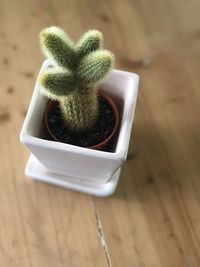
91 171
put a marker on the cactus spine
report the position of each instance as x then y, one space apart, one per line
77 70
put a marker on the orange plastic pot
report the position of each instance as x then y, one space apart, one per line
51 105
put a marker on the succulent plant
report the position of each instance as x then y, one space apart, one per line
76 71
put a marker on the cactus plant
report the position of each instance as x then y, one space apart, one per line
76 72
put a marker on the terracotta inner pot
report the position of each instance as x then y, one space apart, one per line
52 104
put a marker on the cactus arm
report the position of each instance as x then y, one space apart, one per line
56 82
90 41
94 67
57 46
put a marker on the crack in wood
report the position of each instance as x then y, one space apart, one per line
101 236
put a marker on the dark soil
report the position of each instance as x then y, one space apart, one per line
97 134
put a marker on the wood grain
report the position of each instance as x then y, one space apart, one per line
153 220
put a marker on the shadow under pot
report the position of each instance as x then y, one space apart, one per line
97 137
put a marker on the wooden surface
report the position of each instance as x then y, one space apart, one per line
153 220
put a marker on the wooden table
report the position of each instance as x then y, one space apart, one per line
153 220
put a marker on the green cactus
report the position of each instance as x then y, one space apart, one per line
77 69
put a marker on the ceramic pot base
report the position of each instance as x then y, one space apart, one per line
37 171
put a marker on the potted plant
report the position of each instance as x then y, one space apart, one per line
79 114
78 124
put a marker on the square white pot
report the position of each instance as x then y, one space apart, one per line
58 163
